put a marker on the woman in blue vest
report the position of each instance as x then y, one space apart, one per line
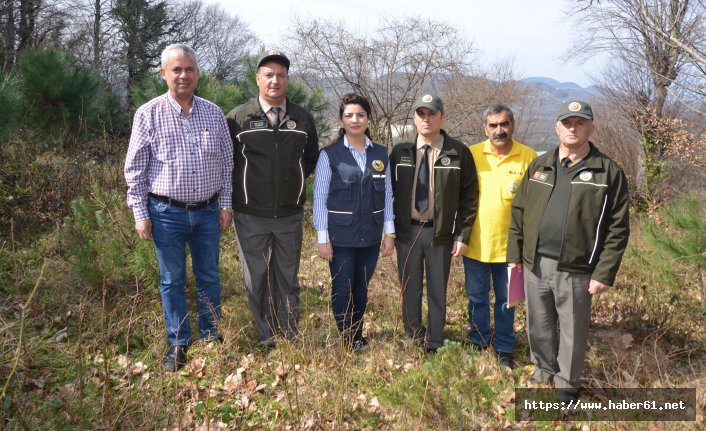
352 209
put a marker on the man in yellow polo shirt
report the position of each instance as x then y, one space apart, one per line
500 162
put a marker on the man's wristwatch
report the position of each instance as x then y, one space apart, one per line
390 235
230 210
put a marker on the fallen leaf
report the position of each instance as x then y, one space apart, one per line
122 360
36 310
233 381
62 335
373 405
626 341
138 368
246 361
243 401
282 370
196 367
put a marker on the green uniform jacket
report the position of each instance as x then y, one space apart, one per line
455 191
270 169
597 219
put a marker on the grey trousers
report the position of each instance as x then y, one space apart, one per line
557 297
412 260
270 249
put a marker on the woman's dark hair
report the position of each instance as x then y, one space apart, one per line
352 99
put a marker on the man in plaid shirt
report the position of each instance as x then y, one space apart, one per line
179 174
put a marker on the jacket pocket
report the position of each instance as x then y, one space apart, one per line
340 193
340 218
378 194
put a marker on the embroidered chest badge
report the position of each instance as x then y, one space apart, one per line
261 124
585 176
378 165
445 161
512 188
291 124
540 176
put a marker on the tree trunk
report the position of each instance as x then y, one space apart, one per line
97 17
10 36
28 18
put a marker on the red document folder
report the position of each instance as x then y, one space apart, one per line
515 287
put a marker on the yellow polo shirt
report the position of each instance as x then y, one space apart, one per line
498 180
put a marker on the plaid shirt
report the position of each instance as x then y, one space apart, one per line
185 158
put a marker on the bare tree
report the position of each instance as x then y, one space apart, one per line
28 24
222 40
649 70
467 97
634 31
390 66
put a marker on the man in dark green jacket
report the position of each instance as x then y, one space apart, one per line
569 228
436 198
275 148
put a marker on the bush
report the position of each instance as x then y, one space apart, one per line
12 105
101 243
65 97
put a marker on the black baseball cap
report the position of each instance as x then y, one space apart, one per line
575 108
434 103
273 55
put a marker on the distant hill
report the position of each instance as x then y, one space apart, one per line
553 83
548 95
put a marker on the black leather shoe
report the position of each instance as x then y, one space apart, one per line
505 359
568 395
175 359
478 348
360 345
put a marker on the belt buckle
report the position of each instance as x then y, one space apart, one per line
424 222
191 206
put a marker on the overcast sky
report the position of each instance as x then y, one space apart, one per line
536 33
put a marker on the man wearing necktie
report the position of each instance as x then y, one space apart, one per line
435 203
275 148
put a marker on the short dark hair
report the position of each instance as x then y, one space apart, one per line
496 109
353 99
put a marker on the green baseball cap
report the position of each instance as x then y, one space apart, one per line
575 108
273 55
434 103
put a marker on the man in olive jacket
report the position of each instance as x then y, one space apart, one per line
570 227
435 202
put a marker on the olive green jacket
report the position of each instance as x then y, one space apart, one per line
597 218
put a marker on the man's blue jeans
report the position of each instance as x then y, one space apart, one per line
478 291
351 270
172 229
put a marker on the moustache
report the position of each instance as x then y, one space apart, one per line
500 136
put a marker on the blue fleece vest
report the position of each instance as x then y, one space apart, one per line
356 199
